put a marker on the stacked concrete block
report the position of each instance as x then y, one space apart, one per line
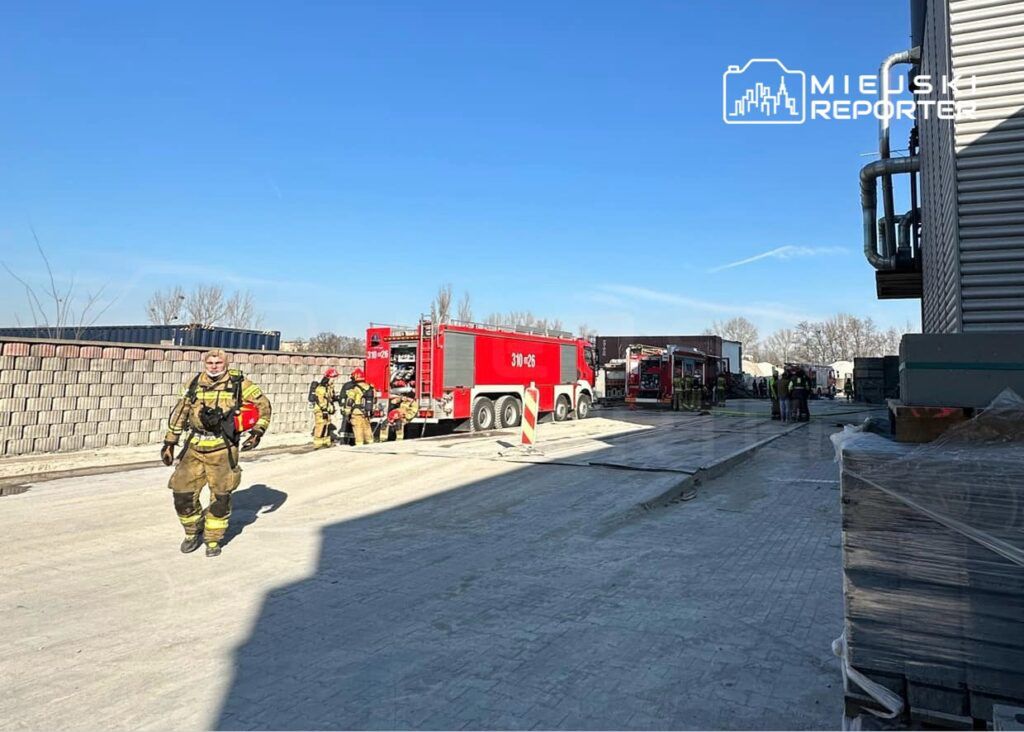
66 396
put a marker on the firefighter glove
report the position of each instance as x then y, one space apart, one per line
254 439
167 453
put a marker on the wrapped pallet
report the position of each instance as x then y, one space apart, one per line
933 566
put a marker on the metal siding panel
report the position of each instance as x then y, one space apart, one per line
459 359
940 298
568 364
987 40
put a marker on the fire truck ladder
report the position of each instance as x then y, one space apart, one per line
424 369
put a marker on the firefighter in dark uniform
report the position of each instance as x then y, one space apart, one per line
358 405
773 393
800 390
215 407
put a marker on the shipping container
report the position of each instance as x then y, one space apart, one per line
232 339
609 347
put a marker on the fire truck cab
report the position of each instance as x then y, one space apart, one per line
469 371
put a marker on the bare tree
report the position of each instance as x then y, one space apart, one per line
524 319
59 313
585 331
780 346
465 309
441 307
893 337
735 329
166 306
843 337
240 311
206 305
328 342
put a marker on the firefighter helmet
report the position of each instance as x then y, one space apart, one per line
357 374
331 373
246 417
394 415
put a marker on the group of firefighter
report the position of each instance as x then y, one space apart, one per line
219 405
789 392
689 394
355 401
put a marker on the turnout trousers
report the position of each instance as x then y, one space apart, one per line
361 429
321 429
196 470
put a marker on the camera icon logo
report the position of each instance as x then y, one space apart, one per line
764 92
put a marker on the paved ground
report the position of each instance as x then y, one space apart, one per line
388 588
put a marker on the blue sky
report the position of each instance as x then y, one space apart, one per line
342 159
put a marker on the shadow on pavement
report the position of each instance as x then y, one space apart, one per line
248 504
496 604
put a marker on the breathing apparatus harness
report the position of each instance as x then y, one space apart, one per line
215 421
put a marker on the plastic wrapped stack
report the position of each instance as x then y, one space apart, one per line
933 559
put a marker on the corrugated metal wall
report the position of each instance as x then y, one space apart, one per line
972 172
940 308
987 43
228 338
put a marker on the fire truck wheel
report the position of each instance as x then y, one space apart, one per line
483 414
583 407
508 411
562 408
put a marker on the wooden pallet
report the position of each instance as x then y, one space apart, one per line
923 424
932 706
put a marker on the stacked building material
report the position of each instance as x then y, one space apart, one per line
933 559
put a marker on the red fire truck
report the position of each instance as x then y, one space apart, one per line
460 371
650 370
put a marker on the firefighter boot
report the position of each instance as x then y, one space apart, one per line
191 543
212 549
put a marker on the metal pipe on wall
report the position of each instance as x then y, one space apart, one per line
910 56
905 222
869 175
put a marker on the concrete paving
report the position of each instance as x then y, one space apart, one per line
384 588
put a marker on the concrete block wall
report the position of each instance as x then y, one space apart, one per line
66 395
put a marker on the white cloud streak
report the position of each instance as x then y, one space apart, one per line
787 252
754 310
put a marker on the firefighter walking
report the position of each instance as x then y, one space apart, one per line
401 411
215 408
358 398
323 408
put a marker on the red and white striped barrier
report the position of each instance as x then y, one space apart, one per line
531 399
